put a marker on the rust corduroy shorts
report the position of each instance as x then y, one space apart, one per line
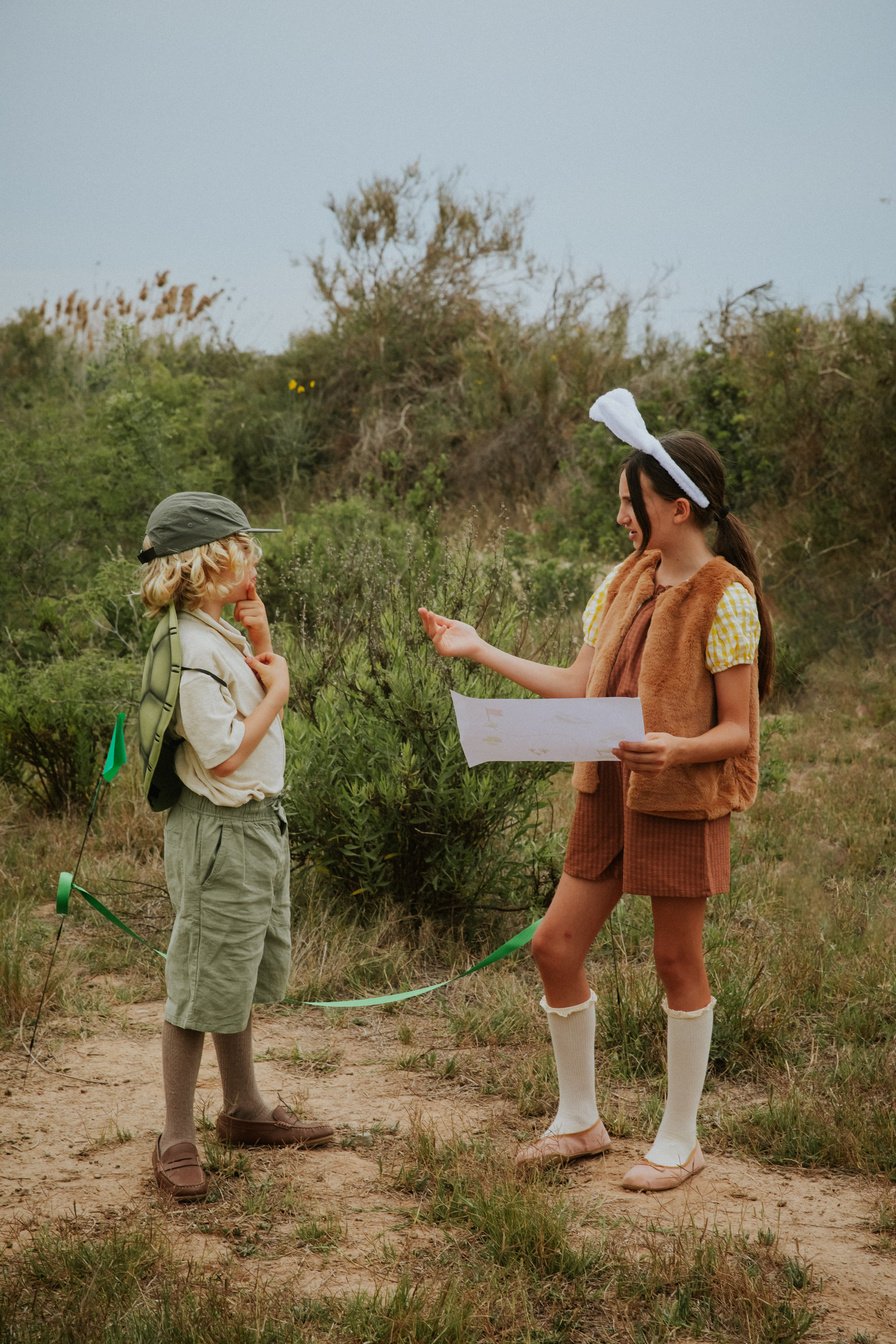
653 856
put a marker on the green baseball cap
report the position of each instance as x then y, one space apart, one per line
190 519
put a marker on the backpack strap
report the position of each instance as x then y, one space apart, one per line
205 672
169 731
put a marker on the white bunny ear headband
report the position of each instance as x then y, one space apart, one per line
618 411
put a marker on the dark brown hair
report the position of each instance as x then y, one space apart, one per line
705 468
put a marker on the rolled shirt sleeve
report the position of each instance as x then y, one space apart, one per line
209 719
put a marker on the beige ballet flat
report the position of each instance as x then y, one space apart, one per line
646 1175
554 1149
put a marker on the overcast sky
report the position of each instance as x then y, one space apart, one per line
730 141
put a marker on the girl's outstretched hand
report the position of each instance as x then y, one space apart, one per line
452 639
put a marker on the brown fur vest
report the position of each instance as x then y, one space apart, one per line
676 689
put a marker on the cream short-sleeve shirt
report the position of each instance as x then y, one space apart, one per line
209 716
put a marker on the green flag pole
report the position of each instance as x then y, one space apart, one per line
116 756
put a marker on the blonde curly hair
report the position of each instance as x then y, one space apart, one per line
186 579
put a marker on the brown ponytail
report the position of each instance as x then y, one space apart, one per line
705 468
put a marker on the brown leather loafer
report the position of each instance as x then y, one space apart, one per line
283 1127
646 1175
554 1149
178 1171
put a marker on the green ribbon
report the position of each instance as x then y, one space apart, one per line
67 885
512 945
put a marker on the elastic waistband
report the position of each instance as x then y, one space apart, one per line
257 809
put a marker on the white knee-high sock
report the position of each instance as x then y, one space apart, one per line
688 1035
572 1036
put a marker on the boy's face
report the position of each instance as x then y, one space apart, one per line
239 591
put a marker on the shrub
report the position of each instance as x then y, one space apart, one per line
380 796
55 722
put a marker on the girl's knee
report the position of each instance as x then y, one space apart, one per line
678 969
540 947
553 953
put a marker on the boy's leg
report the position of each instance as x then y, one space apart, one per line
181 1057
236 1065
247 1119
175 1157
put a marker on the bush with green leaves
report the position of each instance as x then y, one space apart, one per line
435 377
85 460
380 796
56 719
429 387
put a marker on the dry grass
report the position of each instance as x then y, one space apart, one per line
802 957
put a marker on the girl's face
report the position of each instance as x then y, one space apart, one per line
660 514
626 515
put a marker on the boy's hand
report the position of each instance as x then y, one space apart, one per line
250 612
273 673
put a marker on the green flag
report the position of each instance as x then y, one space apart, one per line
117 754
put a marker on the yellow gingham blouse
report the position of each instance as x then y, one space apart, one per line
733 639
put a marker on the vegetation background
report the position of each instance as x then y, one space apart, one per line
428 442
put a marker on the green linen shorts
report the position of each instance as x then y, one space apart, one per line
227 870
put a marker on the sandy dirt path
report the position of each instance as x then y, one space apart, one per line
76 1142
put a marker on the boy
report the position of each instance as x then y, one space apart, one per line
226 844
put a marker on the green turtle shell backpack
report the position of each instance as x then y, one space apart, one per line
158 697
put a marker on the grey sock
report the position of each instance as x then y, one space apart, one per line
237 1068
181 1057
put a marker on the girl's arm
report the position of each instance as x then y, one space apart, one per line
455 639
729 737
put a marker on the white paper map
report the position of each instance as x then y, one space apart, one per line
546 730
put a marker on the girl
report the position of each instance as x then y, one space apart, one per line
683 625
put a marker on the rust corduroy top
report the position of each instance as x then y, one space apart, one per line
676 689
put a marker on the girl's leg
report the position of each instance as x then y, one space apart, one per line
181 1057
563 939
572 922
678 952
236 1065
